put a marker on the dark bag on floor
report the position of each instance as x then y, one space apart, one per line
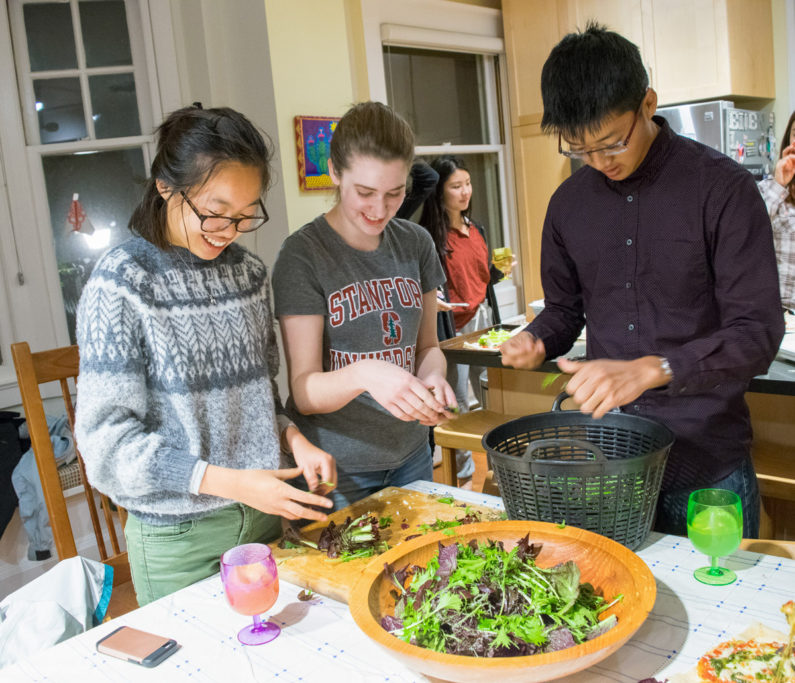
10 452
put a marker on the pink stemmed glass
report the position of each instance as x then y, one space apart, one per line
251 584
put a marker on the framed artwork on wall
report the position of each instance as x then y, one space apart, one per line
313 138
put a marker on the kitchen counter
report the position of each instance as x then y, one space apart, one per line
770 398
779 379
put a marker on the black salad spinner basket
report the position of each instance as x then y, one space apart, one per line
566 467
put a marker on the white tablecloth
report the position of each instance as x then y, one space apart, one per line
320 641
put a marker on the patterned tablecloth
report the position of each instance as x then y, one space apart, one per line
320 641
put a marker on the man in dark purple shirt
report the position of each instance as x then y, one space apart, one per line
662 247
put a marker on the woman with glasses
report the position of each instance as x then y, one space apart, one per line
355 293
178 415
661 248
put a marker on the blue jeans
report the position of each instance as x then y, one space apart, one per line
353 486
672 505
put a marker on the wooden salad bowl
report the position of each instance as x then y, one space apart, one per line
606 564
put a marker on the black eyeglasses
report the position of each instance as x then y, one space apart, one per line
212 223
609 151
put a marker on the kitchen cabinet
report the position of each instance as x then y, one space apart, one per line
709 49
693 50
539 171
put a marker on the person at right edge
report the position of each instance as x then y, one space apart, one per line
662 247
778 192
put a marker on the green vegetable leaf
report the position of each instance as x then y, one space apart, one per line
446 499
549 379
384 522
512 602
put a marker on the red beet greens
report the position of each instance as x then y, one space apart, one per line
353 539
481 600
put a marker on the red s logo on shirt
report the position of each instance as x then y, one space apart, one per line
390 323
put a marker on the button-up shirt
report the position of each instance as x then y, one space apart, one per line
781 207
676 260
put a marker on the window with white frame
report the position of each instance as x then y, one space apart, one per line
449 98
439 64
87 109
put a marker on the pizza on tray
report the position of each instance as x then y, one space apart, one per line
754 655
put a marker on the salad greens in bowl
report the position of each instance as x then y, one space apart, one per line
512 600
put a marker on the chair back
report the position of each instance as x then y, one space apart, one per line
60 365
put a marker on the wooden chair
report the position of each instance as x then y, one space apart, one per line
466 432
61 365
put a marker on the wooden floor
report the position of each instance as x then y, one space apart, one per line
477 477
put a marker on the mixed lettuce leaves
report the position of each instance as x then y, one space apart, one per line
483 601
494 337
353 539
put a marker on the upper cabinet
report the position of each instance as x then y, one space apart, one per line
693 49
709 49
531 28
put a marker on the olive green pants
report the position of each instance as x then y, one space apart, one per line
164 559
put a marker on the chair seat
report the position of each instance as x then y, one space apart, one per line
774 470
122 600
465 432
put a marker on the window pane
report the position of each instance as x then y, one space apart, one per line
60 109
439 93
51 40
114 105
105 37
109 185
485 202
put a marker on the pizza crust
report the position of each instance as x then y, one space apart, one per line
756 631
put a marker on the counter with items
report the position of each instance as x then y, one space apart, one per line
770 397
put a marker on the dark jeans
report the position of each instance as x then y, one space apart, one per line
672 505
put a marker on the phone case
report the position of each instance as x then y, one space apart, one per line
140 647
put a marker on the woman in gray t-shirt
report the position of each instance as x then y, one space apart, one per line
355 293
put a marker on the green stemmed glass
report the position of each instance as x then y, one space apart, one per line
715 527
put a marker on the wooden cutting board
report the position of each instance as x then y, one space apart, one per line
333 577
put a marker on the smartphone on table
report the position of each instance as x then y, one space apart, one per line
140 647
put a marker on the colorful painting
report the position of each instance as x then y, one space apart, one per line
313 138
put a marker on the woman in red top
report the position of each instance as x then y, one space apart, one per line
464 253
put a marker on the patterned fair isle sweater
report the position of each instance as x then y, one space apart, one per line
177 364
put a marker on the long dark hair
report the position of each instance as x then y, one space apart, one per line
784 144
787 132
434 217
192 143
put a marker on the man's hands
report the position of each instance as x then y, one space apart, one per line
523 351
598 386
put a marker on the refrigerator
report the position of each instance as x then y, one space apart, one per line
745 135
